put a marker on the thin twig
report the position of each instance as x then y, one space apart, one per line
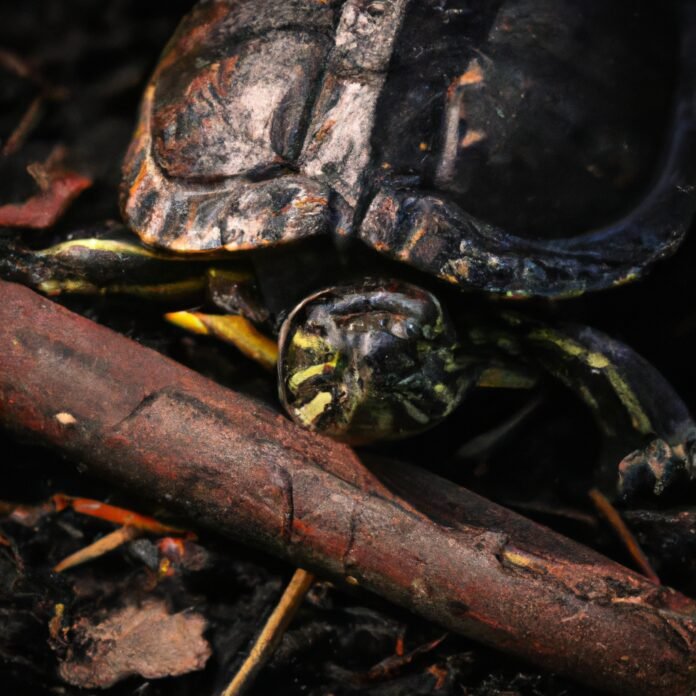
107 543
610 513
110 513
231 328
24 127
272 632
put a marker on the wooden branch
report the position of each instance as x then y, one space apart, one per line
235 465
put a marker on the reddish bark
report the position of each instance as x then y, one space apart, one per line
233 464
58 188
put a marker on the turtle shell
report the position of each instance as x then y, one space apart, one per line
268 121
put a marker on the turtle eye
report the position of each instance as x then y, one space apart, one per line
370 362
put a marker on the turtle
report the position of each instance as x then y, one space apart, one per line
268 123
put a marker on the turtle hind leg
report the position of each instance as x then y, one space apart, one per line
648 431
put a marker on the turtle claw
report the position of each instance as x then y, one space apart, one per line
658 466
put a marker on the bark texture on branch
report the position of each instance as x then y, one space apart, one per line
233 464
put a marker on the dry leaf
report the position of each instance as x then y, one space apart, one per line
146 640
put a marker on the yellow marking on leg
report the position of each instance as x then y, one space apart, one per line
57 287
107 245
597 361
639 419
116 246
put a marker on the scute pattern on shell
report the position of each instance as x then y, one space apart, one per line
220 158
